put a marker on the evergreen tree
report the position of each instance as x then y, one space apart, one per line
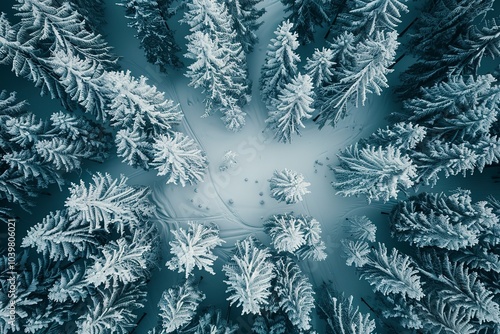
370 16
59 237
249 272
361 228
367 75
392 274
320 68
178 306
341 315
245 16
179 158
194 248
71 286
297 235
295 293
112 308
305 16
280 65
108 202
403 135
122 262
149 19
220 63
288 186
292 106
377 173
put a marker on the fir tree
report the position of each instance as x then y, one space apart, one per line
60 238
305 16
178 306
249 272
112 308
372 15
288 186
361 228
194 248
341 315
71 286
220 63
245 16
292 106
179 158
149 19
367 75
295 294
280 65
403 135
320 68
377 173
108 202
392 274
297 235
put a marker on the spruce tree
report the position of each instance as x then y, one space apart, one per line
280 65
305 16
245 16
293 105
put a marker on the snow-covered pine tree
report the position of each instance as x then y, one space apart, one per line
293 105
391 274
368 16
245 16
459 287
314 247
272 323
109 202
179 158
344 50
112 310
280 65
305 16
134 104
288 186
403 135
178 306
286 232
249 272
220 63
377 172
194 248
150 20
61 238
367 74
356 252
61 29
341 315
297 235
361 228
445 221
71 285
437 31
122 262
320 69
442 21
458 108
465 56
295 293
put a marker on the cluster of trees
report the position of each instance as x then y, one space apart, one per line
449 281
38 152
53 46
221 33
449 124
94 259
263 281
